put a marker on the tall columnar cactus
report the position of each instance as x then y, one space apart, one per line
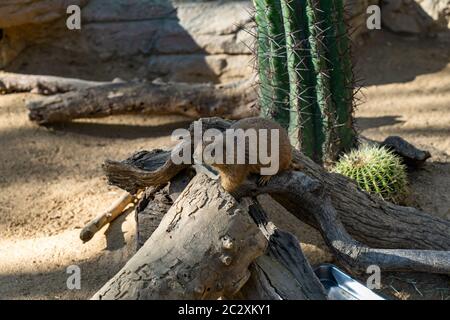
305 73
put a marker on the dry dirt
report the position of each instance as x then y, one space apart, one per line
51 181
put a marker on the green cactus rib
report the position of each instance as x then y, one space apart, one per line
263 49
305 72
341 75
274 103
301 84
324 115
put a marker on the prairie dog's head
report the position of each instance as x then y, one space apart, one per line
221 149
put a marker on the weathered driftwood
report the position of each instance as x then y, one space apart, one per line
90 229
371 220
201 249
149 212
233 100
154 204
367 218
311 197
411 155
141 170
283 272
279 270
46 85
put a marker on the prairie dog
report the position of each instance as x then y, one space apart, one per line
233 173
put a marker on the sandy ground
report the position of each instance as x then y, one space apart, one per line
51 181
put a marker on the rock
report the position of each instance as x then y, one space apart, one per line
419 17
412 156
198 67
357 16
172 40
438 10
22 12
404 16
180 41
107 11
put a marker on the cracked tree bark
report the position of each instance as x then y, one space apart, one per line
202 249
282 272
154 204
235 100
367 218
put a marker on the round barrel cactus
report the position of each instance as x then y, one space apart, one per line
376 170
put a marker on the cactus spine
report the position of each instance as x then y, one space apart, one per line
305 73
377 171
274 93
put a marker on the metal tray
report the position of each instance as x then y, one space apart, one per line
341 286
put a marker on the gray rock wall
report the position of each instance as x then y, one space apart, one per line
419 17
189 41
174 40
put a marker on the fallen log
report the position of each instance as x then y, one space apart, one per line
46 85
154 204
235 100
282 272
201 250
371 220
311 198
187 256
141 170
367 218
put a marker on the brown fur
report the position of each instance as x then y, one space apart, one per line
232 175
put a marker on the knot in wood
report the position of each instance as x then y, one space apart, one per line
227 243
226 259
